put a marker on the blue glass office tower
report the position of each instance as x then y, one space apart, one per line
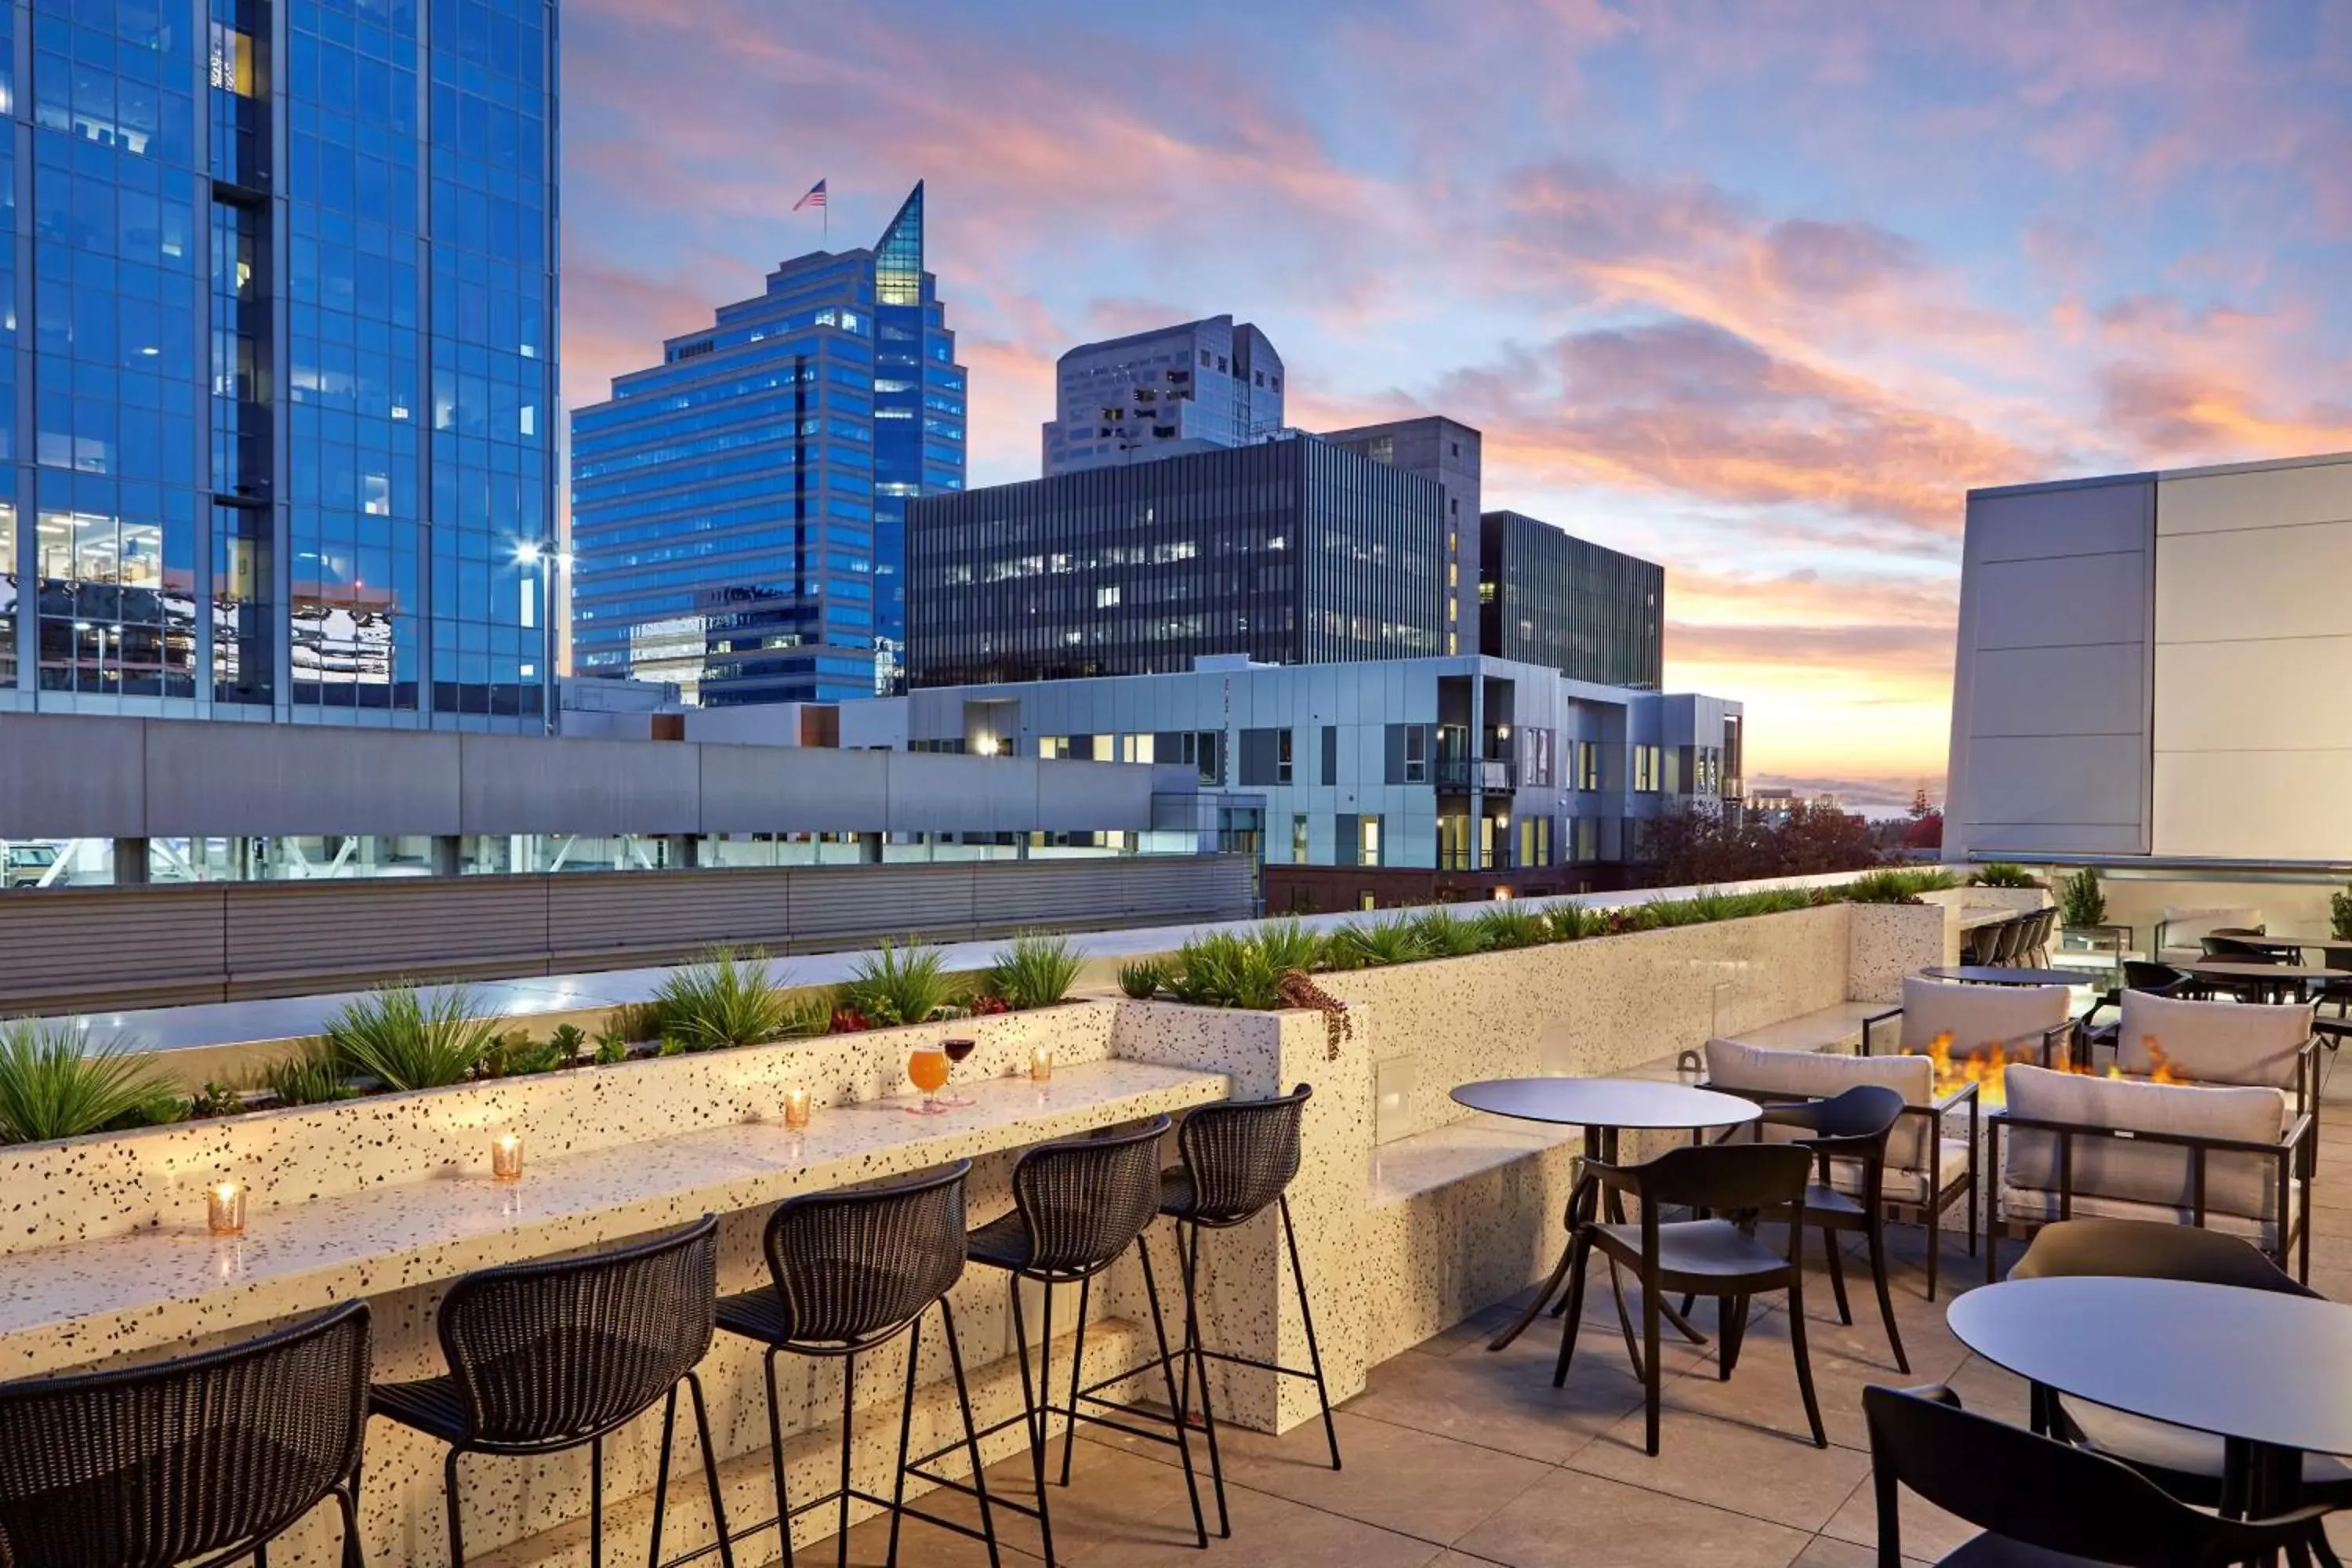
739 511
278 358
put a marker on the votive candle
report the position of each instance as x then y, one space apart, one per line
1041 1065
796 1108
505 1157
224 1208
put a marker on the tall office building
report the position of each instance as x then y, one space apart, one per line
1549 597
739 512
1161 394
1447 452
1289 551
279 369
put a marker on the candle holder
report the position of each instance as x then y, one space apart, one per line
224 1208
796 1108
505 1157
1041 1065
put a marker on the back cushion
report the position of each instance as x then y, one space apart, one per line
1819 1076
1978 1017
2211 1042
2237 1183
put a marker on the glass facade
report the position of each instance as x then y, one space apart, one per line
260 233
739 511
1547 598
1291 551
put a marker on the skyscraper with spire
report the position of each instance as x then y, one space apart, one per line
739 510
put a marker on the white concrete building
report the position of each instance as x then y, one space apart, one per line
2151 665
1175 389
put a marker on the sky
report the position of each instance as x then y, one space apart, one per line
1759 290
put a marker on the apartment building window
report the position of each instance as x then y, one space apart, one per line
1331 753
1265 757
1588 838
1588 765
1282 771
1454 843
1486 842
1366 901
1367 840
1198 747
1534 756
1534 841
1298 840
1648 771
1416 753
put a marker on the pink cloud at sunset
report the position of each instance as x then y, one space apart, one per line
1759 292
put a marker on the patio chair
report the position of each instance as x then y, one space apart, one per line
1973 1020
2139 974
2233 1159
2219 1043
2188 1464
1742 1185
1848 1135
2180 934
2041 1503
1931 1160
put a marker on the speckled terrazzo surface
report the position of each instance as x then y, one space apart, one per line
64 1305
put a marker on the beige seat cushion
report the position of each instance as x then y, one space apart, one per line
2138 1440
2154 1173
2213 1042
1977 1018
2038 1206
1817 1075
2186 927
1910 1186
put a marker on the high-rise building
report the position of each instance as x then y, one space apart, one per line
1289 552
277 384
1173 390
1447 452
1547 598
739 510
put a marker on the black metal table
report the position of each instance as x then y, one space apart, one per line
2003 974
2222 969
2263 1371
1603 1107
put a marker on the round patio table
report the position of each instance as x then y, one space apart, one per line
2219 969
1602 1106
2003 974
2262 1370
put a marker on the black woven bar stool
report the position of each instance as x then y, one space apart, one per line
209 1457
548 1357
853 1270
1239 1160
1078 1205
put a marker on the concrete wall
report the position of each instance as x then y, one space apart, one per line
79 777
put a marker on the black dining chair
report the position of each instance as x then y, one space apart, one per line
208 1457
1850 1131
2188 1464
850 1271
1079 1206
1238 1160
546 1357
2041 1503
1740 1185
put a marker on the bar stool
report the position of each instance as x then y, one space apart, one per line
1078 1205
547 1357
853 1270
1239 1158
208 1457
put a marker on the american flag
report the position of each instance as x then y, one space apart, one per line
815 197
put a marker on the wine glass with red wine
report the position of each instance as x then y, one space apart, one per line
957 1050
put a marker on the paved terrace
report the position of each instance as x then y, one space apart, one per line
1459 1458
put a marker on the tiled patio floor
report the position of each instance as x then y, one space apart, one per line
1456 1457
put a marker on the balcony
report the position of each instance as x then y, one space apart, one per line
1460 775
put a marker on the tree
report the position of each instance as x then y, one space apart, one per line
1924 831
1699 846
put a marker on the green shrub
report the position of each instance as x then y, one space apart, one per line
612 1047
1289 945
309 1074
394 1035
517 1055
1035 971
1224 970
808 1013
722 1001
570 1040
1503 930
216 1100
1374 945
1443 935
2000 874
899 982
1574 922
2081 901
1143 979
1883 888
2339 915
54 1083
1661 914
